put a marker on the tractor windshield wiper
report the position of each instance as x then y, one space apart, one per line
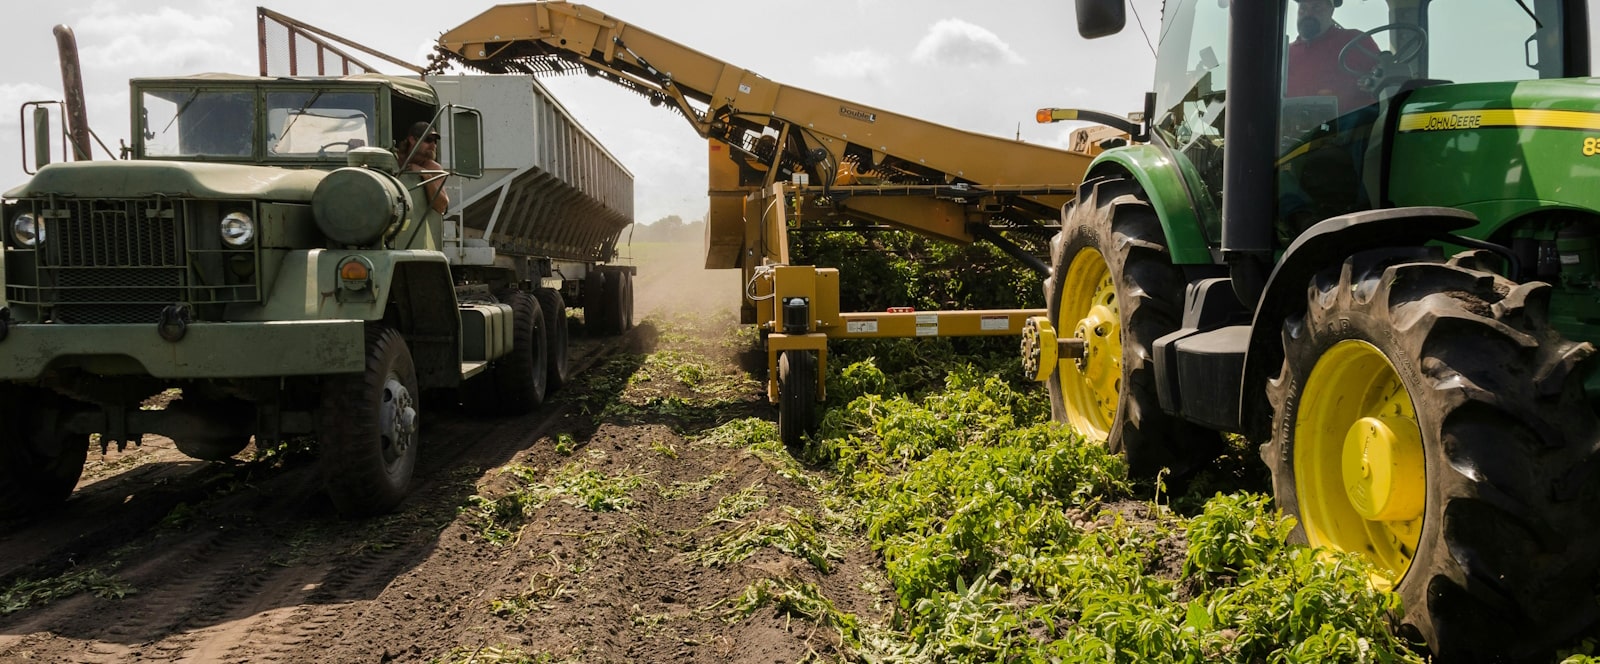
1524 5
193 94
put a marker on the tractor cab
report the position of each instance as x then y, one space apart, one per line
1342 70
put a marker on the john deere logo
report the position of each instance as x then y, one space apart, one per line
858 115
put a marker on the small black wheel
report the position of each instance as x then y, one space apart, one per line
367 427
594 302
520 377
555 329
212 448
1429 419
38 468
797 395
1114 287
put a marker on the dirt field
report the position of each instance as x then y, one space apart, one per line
598 529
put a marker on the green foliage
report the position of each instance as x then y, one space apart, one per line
1010 539
739 433
796 536
27 593
737 505
593 490
900 268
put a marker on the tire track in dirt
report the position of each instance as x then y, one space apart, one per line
258 571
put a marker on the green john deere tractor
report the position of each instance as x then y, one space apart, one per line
1383 266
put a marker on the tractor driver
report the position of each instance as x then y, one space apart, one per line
1315 68
422 146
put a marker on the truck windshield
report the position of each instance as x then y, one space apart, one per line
198 123
309 123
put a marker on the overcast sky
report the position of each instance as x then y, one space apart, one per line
979 66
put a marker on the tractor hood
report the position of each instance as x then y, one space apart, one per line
1580 95
139 179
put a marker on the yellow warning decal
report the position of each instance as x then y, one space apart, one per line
1501 117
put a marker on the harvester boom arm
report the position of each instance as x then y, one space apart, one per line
774 131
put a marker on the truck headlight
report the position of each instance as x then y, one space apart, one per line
238 230
27 230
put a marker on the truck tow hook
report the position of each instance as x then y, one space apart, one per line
174 323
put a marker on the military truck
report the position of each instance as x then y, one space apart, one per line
263 250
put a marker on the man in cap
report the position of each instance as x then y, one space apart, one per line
421 146
1314 65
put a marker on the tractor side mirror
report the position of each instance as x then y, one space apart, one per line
466 142
1101 18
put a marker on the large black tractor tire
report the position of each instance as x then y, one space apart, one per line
555 331
367 428
38 470
520 377
594 302
797 395
1429 419
1112 283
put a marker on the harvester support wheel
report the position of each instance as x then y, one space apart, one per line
520 377
1430 420
367 428
797 395
1113 287
38 469
555 331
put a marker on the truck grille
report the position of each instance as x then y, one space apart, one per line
123 261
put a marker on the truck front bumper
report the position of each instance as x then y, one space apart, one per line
206 350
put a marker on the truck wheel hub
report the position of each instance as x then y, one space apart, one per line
397 419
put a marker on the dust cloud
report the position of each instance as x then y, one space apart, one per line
673 281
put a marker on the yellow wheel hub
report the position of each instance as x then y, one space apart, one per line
1090 384
1359 470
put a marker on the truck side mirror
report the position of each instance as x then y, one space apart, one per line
41 137
1101 18
466 142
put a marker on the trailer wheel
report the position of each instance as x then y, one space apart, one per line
367 427
38 471
1430 420
520 377
617 303
797 395
594 298
555 330
1113 285
627 301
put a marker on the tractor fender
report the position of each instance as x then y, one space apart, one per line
1161 178
1325 244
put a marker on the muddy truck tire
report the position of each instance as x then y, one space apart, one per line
367 428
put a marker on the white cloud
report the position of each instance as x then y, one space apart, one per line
862 64
13 95
957 43
159 39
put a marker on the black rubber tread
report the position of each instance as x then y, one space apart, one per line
627 300
594 302
1509 556
521 376
355 473
1111 217
31 482
217 448
615 300
555 328
797 395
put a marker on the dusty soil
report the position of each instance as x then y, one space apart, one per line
162 558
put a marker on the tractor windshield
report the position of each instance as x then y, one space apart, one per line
319 123
1341 62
